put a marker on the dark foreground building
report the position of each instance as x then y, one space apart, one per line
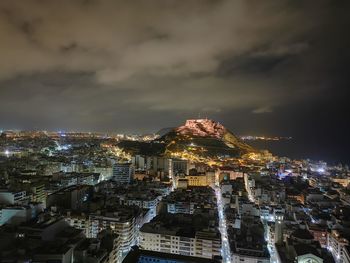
137 255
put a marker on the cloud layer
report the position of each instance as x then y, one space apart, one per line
141 65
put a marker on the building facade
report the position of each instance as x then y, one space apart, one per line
123 173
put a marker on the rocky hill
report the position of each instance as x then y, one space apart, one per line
205 137
199 139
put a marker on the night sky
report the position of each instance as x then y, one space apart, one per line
259 67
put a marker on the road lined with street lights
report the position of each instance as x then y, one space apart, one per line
225 246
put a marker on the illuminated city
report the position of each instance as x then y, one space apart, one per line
166 131
145 193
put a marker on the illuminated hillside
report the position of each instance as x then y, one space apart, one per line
199 140
204 138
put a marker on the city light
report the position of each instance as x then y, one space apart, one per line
226 252
321 170
174 131
100 173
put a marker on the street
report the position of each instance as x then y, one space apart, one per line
225 250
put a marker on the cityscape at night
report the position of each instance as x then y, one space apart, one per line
166 131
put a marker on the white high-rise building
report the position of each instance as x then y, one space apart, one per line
279 228
123 172
122 224
139 162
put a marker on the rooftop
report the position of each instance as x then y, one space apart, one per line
185 225
302 234
136 254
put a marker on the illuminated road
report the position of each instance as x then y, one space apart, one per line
273 256
225 250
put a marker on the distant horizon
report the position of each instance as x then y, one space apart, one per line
135 133
140 133
132 133
300 149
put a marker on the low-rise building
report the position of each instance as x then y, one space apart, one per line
301 247
8 197
137 255
187 200
346 255
336 243
103 249
247 243
72 197
182 234
15 215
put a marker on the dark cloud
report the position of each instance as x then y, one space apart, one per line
142 65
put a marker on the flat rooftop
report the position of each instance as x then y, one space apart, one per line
136 255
